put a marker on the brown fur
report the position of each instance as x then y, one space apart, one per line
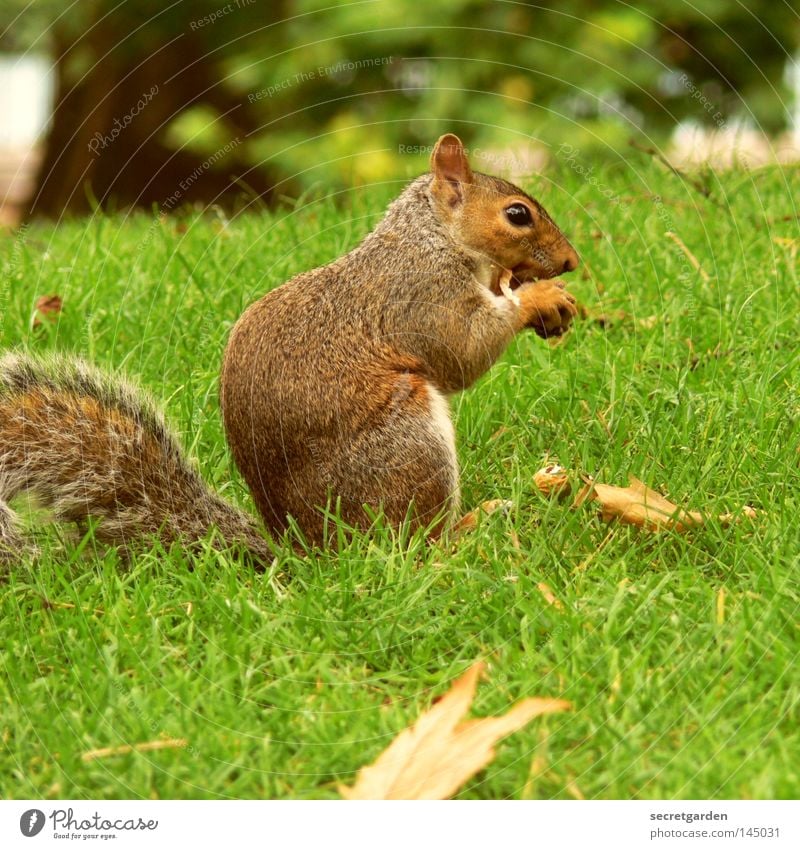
89 446
333 385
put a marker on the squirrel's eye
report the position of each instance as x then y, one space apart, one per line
519 214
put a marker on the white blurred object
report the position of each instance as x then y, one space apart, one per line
792 74
26 99
515 162
736 144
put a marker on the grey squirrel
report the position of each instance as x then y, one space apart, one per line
334 386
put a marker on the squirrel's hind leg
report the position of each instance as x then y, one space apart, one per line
405 464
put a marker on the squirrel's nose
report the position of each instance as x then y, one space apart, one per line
571 262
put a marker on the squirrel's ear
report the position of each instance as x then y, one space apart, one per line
450 168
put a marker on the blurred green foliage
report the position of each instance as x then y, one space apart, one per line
342 92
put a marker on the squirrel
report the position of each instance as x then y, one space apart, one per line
334 386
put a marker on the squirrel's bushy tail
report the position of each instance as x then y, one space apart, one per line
89 445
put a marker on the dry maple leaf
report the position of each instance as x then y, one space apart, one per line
48 306
639 505
433 758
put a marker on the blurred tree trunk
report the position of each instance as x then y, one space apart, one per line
119 84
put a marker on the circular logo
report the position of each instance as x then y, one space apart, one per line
31 822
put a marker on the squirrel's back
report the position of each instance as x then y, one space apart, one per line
88 445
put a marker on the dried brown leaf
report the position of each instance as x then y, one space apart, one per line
433 758
47 306
639 505
469 521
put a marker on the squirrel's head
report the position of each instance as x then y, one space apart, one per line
495 219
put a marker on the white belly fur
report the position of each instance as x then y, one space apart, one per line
440 416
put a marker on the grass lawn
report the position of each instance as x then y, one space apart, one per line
679 652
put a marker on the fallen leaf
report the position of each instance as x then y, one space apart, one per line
729 518
469 521
48 306
149 746
639 505
440 752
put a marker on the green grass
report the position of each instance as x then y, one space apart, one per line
285 684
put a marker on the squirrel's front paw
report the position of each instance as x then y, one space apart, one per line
548 307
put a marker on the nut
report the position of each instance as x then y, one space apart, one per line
553 481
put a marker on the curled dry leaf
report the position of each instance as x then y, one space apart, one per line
48 306
469 521
639 505
553 480
433 758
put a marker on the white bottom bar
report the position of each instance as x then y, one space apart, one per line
404 825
